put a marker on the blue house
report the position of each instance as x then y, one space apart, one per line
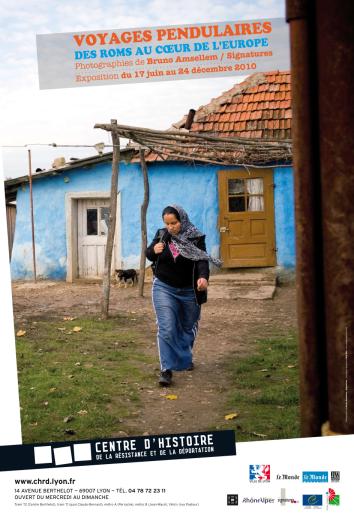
246 212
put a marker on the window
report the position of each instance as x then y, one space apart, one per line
245 195
92 221
104 221
95 227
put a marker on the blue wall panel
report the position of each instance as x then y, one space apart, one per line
284 216
192 186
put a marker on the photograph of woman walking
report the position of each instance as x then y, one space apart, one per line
181 274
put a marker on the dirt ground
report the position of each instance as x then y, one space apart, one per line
227 328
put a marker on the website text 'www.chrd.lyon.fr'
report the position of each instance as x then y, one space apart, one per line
46 481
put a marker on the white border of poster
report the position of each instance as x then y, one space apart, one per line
266 475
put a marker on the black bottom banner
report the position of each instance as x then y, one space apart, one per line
113 451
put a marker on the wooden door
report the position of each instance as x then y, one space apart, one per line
11 223
246 218
93 217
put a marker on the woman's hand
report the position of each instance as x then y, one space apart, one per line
202 284
159 247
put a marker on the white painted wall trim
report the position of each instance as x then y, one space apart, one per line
71 230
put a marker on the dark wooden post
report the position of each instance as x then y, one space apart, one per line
322 82
143 212
106 283
309 260
335 50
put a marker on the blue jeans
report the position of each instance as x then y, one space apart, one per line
177 315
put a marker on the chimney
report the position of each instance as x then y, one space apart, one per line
190 118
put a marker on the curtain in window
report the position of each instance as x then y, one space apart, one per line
254 187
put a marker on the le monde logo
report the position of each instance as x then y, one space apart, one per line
283 476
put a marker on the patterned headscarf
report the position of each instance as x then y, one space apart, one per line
187 248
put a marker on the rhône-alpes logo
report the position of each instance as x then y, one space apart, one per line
259 473
332 498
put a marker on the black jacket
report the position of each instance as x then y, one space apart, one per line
179 272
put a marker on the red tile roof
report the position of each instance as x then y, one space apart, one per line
259 107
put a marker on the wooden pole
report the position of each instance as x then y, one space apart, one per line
335 68
143 212
106 283
32 216
307 184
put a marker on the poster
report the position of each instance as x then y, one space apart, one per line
66 471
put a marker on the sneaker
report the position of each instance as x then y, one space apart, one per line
165 378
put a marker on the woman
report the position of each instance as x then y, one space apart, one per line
181 273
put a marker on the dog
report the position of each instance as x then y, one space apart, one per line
125 275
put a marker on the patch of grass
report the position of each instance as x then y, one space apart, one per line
264 391
92 376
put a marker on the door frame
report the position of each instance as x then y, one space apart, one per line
71 217
268 195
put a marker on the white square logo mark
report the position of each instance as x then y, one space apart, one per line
43 455
82 452
63 456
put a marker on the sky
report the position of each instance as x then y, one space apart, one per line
67 116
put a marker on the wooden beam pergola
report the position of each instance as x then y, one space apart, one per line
205 147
